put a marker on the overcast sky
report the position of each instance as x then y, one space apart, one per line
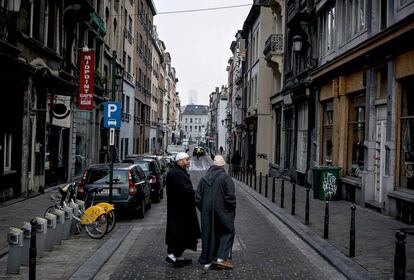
199 43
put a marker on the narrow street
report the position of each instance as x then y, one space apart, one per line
264 248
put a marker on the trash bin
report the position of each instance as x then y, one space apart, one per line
60 226
15 241
27 234
68 221
41 231
51 231
325 182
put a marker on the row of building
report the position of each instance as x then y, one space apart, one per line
59 62
326 83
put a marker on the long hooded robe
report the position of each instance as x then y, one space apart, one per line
183 228
216 201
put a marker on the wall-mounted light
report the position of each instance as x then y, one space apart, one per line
14 6
297 43
237 101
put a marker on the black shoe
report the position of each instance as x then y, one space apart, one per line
175 263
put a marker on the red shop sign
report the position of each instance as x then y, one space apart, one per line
86 79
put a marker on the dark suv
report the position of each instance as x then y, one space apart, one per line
131 189
153 169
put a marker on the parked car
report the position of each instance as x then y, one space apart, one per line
131 189
157 185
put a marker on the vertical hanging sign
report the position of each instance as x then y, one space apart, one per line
86 79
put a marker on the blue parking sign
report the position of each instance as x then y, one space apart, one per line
112 115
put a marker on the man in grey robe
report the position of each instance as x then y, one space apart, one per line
216 201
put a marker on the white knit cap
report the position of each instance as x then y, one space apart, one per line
219 160
181 155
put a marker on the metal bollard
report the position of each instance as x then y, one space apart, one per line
326 222
41 232
255 179
273 188
307 207
33 251
293 198
15 241
27 233
60 226
266 185
51 231
260 183
352 233
251 178
400 260
282 194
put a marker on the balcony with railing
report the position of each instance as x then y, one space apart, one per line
128 35
273 50
126 117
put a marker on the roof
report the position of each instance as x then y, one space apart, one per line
196 110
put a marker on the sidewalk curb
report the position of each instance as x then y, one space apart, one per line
336 258
95 262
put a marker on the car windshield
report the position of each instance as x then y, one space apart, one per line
145 165
101 176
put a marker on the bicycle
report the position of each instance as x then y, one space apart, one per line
109 208
93 219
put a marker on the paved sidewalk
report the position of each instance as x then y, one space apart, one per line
375 233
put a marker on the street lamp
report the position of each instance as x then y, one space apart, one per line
14 6
297 43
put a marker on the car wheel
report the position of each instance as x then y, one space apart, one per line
141 210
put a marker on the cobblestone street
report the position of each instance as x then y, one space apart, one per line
263 249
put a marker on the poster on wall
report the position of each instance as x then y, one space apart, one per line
86 79
60 110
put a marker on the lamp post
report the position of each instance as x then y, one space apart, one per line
297 43
13 7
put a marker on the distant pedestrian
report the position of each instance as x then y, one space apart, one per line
221 150
216 201
183 230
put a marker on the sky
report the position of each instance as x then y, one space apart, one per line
199 43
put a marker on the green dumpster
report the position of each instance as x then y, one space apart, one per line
325 182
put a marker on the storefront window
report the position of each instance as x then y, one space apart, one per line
407 136
83 131
327 133
356 132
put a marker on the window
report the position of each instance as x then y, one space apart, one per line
7 151
382 82
327 133
191 128
356 135
354 17
407 136
186 129
199 120
191 120
327 30
383 13
199 129
129 64
186 120
127 105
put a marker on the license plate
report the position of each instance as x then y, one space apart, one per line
106 191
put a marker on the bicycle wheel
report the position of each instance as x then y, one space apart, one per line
111 220
98 228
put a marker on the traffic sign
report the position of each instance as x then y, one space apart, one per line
112 114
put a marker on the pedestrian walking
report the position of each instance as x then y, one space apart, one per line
216 201
221 150
183 230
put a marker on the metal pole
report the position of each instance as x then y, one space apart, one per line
400 260
352 233
251 178
307 207
273 189
293 198
266 184
260 183
326 223
282 194
111 147
255 179
32 251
